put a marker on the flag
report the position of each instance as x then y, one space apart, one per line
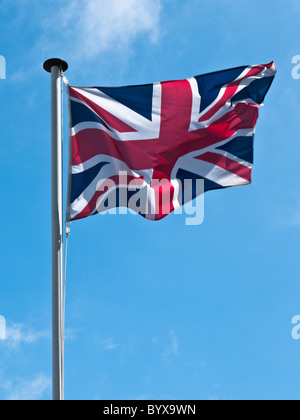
146 147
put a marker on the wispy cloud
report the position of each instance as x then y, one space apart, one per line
286 216
112 22
89 28
82 32
27 390
109 344
71 334
18 334
171 348
295 219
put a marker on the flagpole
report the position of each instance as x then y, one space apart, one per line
55 66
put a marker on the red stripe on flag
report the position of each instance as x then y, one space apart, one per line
242 117
227 164
138 154
229 92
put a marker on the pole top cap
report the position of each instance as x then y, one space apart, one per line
55 62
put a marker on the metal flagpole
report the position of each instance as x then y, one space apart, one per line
55 66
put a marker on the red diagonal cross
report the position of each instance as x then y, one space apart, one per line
174 141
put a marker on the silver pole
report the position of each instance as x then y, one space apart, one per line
55 67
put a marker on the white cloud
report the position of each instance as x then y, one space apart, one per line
71 334
109 344
295 219
89 34
27 390
93 26
17 334
170 349
287 216
174 344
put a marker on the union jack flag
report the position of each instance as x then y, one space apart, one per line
149 139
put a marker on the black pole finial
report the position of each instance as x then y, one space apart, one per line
55 62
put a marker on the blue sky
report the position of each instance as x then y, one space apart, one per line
154 310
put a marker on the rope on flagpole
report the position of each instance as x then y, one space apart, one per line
68 231
65 80
68 226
